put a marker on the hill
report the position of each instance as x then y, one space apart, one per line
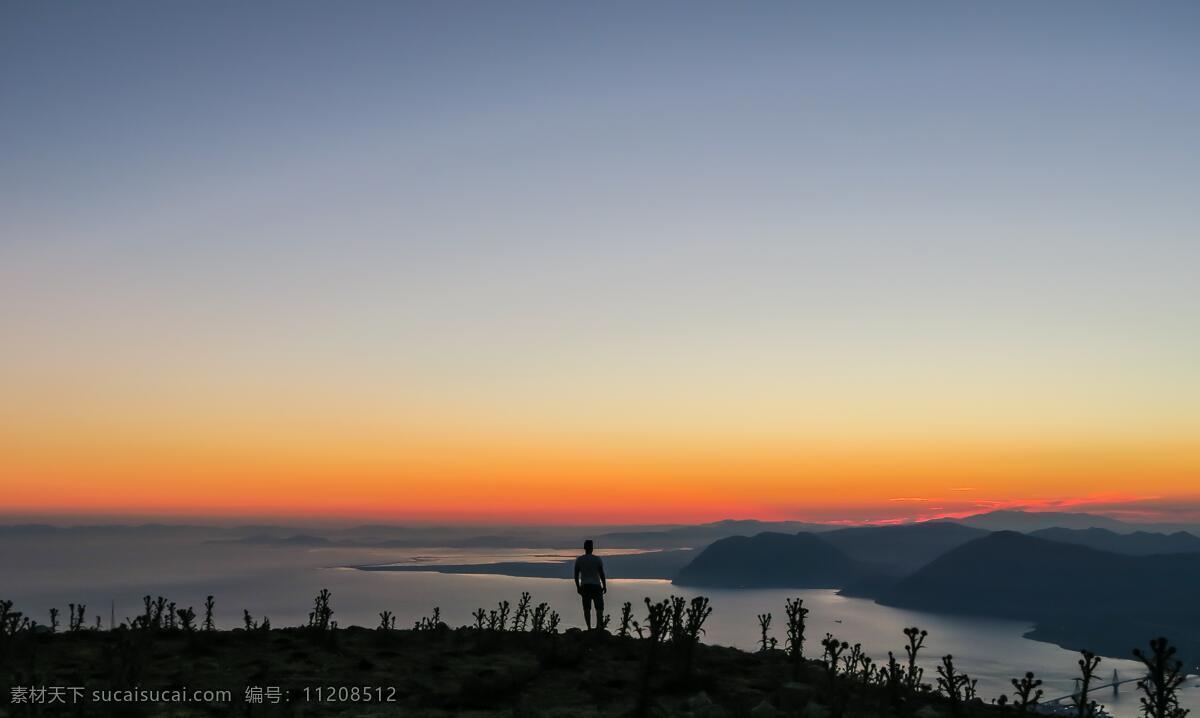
903 548
772 560
1138 543
1028 521
701 534
1078 596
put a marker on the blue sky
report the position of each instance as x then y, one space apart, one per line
948 219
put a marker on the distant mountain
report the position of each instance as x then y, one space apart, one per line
652 564
1077 595
772 560
702 534
1138 543
1028 521
903 548
294 540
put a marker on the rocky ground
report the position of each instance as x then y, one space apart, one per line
440 672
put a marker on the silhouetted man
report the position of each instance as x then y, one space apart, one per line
591 583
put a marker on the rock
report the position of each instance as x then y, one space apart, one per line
764 710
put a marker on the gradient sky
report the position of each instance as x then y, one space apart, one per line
599 261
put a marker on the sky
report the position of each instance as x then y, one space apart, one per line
609 262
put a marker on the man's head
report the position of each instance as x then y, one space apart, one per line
588 546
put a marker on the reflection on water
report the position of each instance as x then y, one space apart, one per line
280 581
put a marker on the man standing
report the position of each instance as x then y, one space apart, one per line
591 583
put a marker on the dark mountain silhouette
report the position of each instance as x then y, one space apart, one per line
1027 521
903 548
1138 543
772 560
1078 596
702 534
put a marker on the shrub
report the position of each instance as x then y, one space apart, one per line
796 614
626 619
429 623
765 643
321 617
916 640
503 614
187 618
1087 668
521 617
954 684
540 613
1027 692
209 624
387 621
833 651
658 624
1162 681
76 617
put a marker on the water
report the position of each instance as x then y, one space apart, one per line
280 581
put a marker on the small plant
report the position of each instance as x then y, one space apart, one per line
658 625
694 616
858 665
54 620
387 622
480 617
503 614
1027 692
833 651
540 612
765 642
1161 684
322 613
552 622
521 616
160 609
796 614
76 618
11 622
626 619
602 620
187 618
916 640
429 623
1087 668
209 624
678 604
955 685
252 625
894 678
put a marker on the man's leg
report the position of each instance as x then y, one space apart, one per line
587 606
598 599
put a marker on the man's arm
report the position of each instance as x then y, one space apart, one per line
577 586
603 579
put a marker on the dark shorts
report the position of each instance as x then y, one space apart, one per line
592 595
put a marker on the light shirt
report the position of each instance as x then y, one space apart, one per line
589 566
